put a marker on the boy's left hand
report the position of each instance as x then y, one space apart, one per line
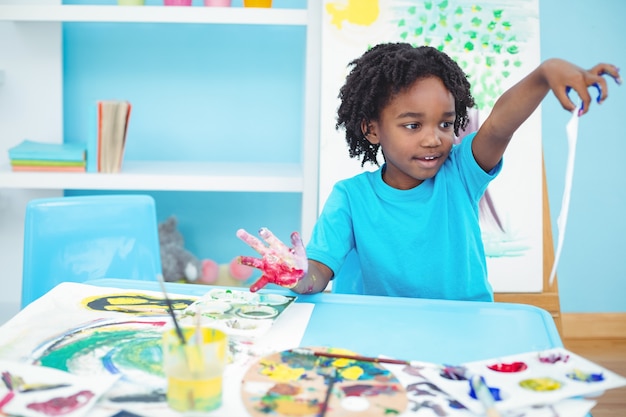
562 77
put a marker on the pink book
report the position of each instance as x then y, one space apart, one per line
41 168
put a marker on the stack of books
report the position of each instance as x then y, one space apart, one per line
40 156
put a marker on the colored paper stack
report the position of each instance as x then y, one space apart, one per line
39 156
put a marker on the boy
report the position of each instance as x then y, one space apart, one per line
413 224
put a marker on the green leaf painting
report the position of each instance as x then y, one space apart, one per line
482 38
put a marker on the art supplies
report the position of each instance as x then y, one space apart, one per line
170 309
291 383
103 331
527 379
33 391
347 356
241 314
427 399
194 371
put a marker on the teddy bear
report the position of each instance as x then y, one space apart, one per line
180 265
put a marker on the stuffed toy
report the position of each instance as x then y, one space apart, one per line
232 274
180 265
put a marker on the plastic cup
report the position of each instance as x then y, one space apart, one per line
194 370
257 3
177 2
217 3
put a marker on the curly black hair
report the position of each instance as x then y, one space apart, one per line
386 70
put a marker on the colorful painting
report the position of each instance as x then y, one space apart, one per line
128 349
36 391
297 383
103 333
139 304
496 42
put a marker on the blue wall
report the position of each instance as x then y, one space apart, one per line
199 93
194 99
592 271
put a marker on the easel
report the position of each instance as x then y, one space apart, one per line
548 299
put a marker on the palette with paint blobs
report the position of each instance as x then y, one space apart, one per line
527 379
293 383
241 314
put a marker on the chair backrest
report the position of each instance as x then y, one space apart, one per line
76 239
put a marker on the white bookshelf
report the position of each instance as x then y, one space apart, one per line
169 176
31 96
185 176
152 14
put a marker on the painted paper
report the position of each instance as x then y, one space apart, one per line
36 391
98 332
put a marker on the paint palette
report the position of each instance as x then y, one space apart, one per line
527 379
241 314
428 400
35 391
291 383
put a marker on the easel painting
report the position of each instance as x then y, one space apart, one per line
496 42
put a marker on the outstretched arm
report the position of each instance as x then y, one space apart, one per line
284 266
520 101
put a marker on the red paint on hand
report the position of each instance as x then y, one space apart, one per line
279 264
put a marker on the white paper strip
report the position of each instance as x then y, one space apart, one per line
561 222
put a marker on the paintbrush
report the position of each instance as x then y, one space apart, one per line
330 375
170 309
8 382
360 358
483 394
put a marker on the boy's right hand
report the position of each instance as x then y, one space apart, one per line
279 264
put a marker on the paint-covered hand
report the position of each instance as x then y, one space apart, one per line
279 264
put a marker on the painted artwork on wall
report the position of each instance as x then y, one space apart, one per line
496 43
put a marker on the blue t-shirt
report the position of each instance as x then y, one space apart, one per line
424 242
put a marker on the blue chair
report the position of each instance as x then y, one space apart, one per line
76 239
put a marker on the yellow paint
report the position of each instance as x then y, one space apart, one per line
194 394
540 384
352 373
194 370
294 408
342 363
281 372
357 12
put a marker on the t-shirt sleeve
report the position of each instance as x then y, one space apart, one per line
475 178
